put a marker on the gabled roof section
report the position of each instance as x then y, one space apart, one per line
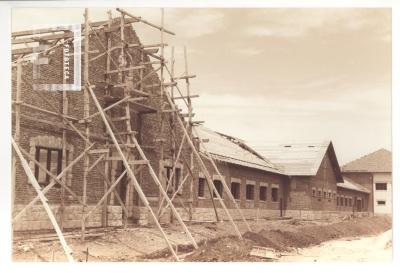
302 159
378 161
233 150
351 185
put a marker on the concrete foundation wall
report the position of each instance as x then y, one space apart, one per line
36 218
206 214
322 214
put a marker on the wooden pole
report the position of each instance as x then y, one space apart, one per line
161 133
36 186
190 111
16 132
107 163
127 113
64 153
170 182
85 114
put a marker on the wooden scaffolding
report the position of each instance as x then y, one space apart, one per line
122 143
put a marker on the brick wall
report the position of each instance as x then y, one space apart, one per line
366 180
354 195
244 175
301 188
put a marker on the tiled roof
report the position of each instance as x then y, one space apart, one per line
301 158
232 150
351 185
378 161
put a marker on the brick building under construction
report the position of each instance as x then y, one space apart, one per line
120 151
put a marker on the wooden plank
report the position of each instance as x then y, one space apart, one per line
99 151
186 97
47 111
107 108
151 50
167 84
125 69
120 118
38 38
185 77
186 115
114 28
141 108
95 163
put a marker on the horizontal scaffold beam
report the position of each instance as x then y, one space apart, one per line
145 22
51 30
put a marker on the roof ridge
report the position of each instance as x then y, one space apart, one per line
367 155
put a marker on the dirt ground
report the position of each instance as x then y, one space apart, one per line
365 249
217 241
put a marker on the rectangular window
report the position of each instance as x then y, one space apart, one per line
350 202
329 195
176 179
319 193
200 190
274 194
345 201
51 159
381 186
263 193
381 202
341 201
235 190
250 192
219 187
324 194
337 202
313 193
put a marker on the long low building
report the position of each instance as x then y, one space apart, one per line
298 180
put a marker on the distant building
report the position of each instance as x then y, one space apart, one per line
374 172
316 186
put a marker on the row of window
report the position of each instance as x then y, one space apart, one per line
344 201
326 194
236 190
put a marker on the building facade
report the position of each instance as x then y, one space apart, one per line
374 172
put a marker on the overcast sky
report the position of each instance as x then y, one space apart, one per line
276 75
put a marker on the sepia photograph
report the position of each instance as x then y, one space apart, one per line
200 134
